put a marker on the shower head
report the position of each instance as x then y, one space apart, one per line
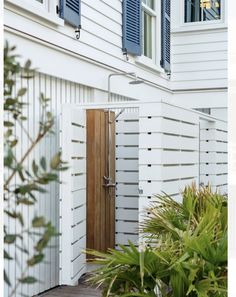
136 81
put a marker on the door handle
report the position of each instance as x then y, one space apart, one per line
108 183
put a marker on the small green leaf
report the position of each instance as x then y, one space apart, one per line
43 163
35 259
38 222
25 201
28 280
21 92
56 160
7 256
6 279
10 101
8 124
13 143
10 238
35 168
15 215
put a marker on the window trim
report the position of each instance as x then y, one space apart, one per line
45 11
156 36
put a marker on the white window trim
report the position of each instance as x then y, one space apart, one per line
154 62
202 25
45 11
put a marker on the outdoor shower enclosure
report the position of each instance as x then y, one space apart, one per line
159 147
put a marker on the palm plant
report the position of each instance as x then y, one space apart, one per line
185 253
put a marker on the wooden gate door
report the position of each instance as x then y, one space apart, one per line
100 180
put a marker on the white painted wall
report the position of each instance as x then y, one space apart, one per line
198 52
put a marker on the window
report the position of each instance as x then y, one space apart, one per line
202 10
43 9
149 20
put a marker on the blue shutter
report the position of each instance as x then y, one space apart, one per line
132 27
70 11
165 34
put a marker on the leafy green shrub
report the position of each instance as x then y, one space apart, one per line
22 183
185 252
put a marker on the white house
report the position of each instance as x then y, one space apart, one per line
178 49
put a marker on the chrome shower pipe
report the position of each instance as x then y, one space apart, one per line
117 74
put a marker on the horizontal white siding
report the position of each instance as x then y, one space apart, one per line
199 59
100 42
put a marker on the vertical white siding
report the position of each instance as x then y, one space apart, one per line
60 91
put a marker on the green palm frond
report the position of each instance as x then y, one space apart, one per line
186 253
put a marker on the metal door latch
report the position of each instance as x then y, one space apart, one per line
140 191
108 183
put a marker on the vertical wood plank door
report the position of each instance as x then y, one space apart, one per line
100 199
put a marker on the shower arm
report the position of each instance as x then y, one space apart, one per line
117 74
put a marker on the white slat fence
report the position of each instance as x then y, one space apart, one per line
168 151
127 176
73 196
213 155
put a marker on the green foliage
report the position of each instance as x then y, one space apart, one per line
185 252
22 183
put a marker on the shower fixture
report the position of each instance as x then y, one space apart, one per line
136 80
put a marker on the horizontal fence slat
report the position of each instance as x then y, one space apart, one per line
214 179
169 111
126 139
213 157
78 182
127 214
78 133
126 202
128 190
157 157
127 127
79 198
128 152
122 164
124 239
167 126
79 230
127 177
78 150
170 187
78 247
161 173
162 141
79 214
213 134
213 146
78 165
213 168
124 227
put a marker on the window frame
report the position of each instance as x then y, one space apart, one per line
202 24
203 21
44 11
154 62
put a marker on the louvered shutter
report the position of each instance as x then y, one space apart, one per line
165 34
132 27
70 11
